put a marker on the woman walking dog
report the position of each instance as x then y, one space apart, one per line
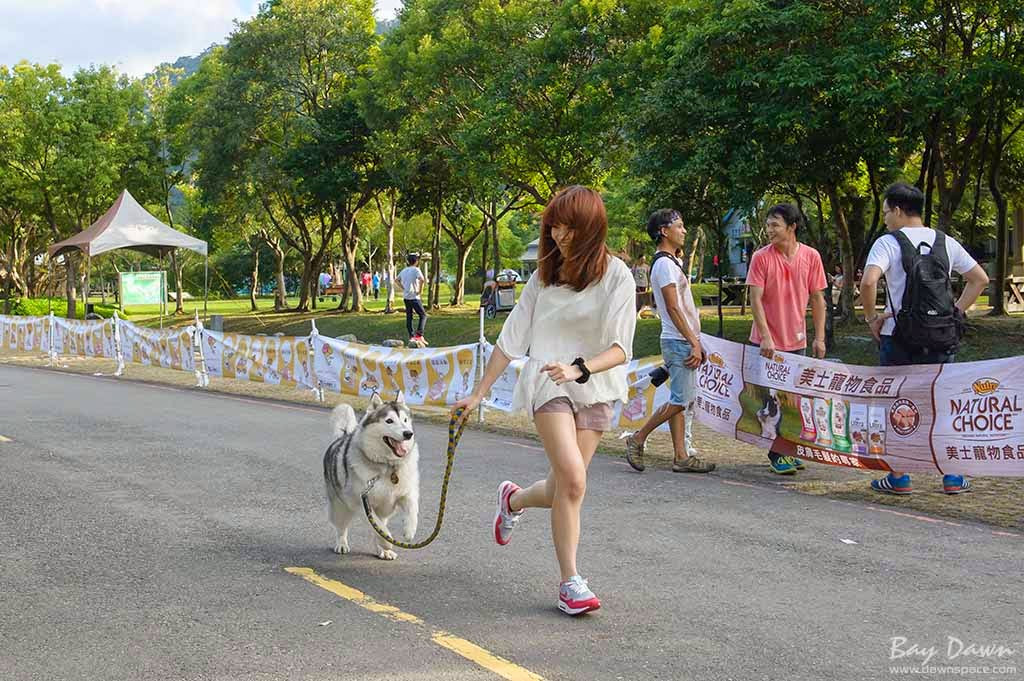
576 318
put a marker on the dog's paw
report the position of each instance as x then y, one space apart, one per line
386 554
342 548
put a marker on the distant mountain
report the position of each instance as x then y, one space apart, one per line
189 64
386 25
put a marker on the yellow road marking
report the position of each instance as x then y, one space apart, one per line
5 439
470 651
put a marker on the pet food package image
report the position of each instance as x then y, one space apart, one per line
807 431
859 428
822 417
840 426
876 431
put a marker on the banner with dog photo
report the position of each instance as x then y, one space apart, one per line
278 360
437 376
84 338
963 419
24 334
168 348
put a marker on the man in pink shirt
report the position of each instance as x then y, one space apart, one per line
782 277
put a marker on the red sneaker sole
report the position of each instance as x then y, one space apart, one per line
580 609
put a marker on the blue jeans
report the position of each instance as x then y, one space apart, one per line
682 380
892 354
414 305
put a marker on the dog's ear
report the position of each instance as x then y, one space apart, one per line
401 397
375 402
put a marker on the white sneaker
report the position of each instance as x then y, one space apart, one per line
505 520
575 597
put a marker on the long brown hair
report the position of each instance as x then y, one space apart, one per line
581 210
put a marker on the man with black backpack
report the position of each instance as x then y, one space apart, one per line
921 324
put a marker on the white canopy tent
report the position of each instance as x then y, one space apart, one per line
126 224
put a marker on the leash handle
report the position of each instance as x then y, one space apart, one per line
455 427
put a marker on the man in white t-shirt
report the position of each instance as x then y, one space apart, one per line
680 346
411 280
902 209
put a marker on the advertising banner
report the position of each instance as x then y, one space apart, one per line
436 376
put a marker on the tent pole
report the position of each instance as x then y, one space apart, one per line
206 287
163 287
88 270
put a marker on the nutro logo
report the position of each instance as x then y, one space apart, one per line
985 386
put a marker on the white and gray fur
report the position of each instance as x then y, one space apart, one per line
382 444
770 415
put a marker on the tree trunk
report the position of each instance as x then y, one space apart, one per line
929 188
699 248
997 299
349 242
7 280
484 252
281 294
255 286
846 247
389 267
435 264
71 268
303 305
177 268
495 242
459 293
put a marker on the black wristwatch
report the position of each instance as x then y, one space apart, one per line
579 362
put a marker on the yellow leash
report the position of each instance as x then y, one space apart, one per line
455 426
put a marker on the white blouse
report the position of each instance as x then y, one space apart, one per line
558 324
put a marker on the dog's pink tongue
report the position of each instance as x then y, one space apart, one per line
402 447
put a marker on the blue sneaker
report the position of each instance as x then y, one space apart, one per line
893 485
782 465
955 484
797 463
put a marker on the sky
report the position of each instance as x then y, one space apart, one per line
134 35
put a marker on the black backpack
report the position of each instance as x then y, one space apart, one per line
664 254
928 318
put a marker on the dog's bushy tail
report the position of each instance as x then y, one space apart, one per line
343 420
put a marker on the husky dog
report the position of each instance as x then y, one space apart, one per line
770 416
381 446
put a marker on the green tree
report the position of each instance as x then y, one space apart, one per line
279 122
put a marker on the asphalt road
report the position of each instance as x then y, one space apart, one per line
146 533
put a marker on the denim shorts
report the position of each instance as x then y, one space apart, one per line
682 381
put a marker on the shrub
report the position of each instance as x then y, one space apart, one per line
40 307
